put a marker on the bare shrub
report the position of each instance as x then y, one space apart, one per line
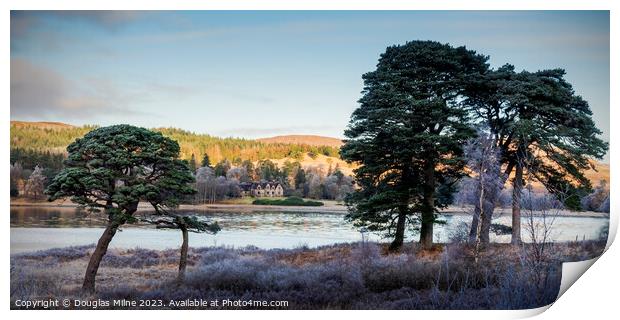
27 284
540 214
539 271
134 258
59 254
365 253
460 233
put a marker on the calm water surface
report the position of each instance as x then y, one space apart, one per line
35 228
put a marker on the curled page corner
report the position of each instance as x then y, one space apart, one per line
571 271
528 313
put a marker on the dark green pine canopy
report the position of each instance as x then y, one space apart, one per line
115 167
557 126
540 112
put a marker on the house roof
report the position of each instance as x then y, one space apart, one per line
263 185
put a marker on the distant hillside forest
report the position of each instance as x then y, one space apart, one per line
221 164
39 148
40 138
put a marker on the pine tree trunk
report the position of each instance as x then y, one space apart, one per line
426 232
517 186
97 256
102 248
183 259
428 210
399 236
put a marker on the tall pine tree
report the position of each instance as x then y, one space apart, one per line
407 136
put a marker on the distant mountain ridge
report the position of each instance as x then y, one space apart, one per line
41 124
313 140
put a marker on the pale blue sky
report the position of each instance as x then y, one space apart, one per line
257 74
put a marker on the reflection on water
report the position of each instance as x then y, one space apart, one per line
54 217
36 228
292 222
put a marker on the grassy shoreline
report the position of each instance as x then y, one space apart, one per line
290 202
343 276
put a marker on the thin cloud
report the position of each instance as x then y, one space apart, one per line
106 18
23 22
39 92
35 30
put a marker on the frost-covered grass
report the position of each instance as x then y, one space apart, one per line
343 276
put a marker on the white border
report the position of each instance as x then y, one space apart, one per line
594 296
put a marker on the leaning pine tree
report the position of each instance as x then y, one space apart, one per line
407 135
112 169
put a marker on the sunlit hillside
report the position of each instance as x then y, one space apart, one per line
601 172
54 137
320 161
312 140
